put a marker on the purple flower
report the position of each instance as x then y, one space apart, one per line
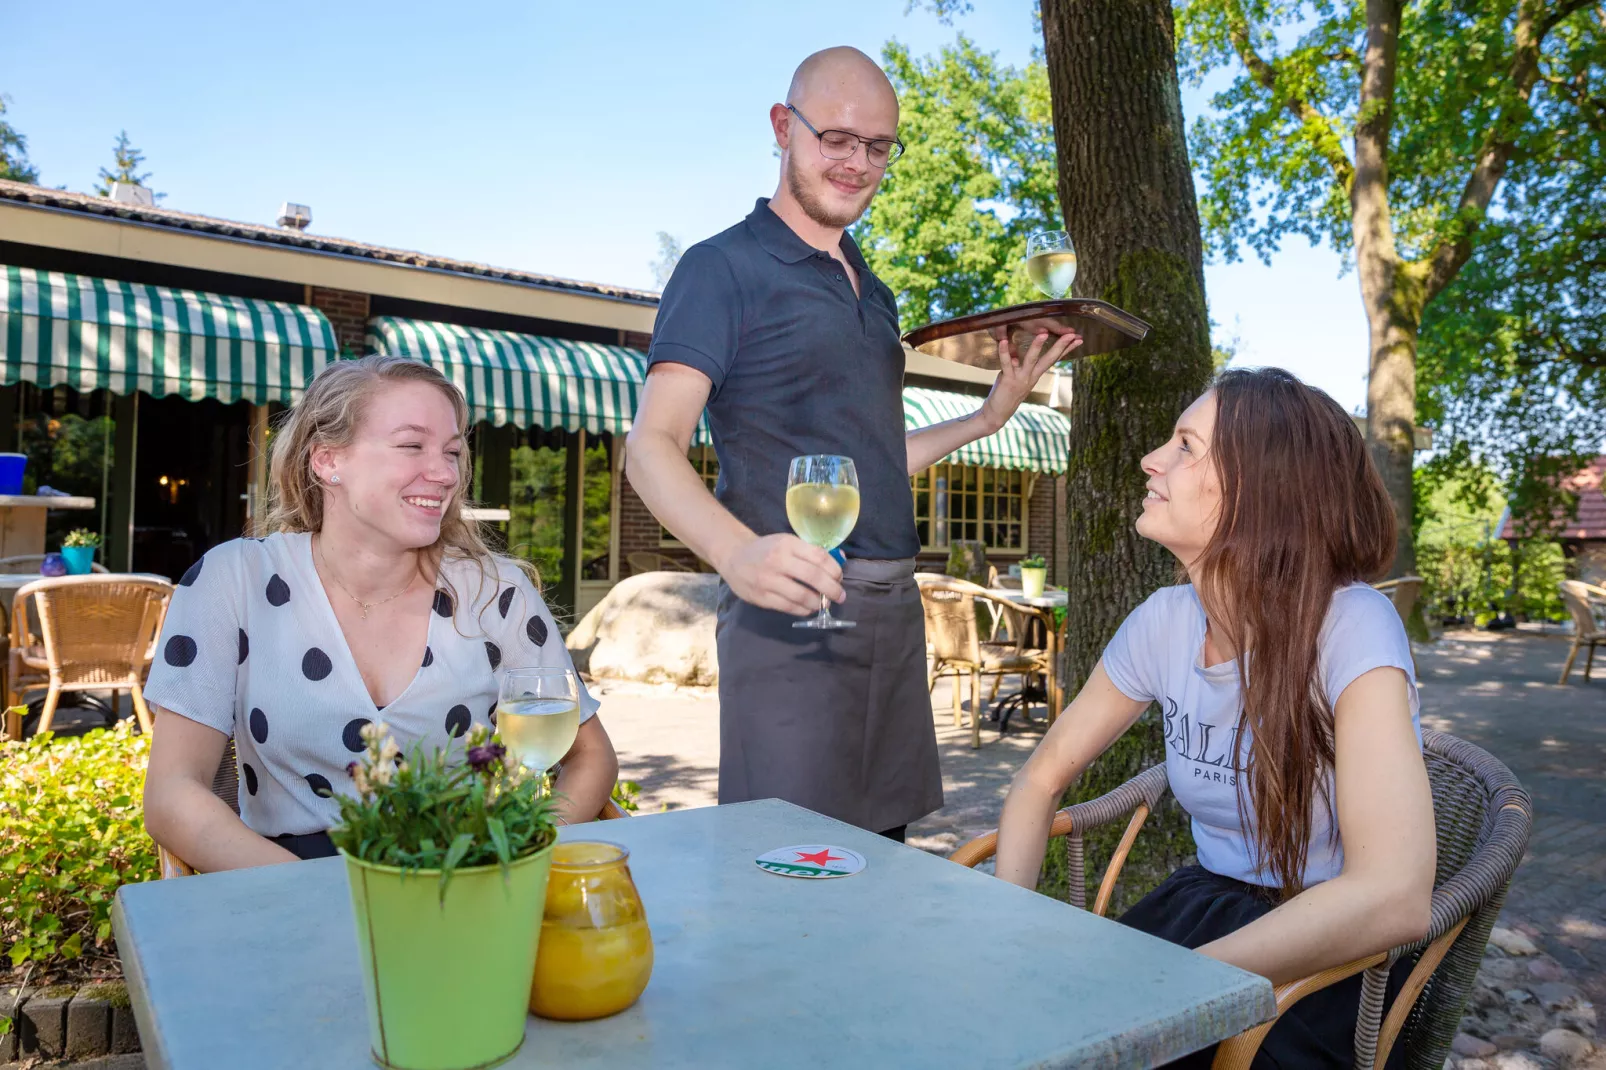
481 759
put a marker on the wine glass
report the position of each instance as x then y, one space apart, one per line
822 504
1051 262
538 715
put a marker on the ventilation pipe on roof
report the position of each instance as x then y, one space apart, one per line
295 216
132 193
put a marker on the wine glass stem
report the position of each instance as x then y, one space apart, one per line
825 609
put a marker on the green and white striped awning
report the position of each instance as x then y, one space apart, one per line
1036 438
523 379
101 334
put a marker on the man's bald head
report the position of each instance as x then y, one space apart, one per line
837 90
841 76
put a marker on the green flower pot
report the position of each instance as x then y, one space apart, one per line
78 559
448 986
1032 580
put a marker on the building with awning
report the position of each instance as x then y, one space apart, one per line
181 335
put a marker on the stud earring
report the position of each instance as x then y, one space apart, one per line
334 479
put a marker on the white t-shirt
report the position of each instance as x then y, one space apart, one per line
1157 656
251 647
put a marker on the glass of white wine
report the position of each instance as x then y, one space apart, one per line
822 504
538 715
1051 262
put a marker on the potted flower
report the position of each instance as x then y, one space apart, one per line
448 864
78 550
1033 574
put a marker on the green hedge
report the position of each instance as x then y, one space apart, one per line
70 833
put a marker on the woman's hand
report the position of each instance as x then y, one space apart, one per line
1094 719
183 815
588 775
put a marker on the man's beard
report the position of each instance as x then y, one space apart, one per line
816 209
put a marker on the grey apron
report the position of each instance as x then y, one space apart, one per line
837 721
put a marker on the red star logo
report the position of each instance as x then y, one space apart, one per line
819 858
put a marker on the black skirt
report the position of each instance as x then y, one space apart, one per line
1194 906
309 845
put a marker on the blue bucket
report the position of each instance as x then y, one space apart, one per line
11 469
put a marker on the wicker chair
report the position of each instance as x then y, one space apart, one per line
226 786
26 563
953 637
96 633
1583 600
1403 593
1482 816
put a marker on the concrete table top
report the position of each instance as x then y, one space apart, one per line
913 962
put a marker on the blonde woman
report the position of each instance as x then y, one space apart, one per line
373 600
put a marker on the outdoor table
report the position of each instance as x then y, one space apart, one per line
1042 608
915 961
22 520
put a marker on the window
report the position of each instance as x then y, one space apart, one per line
959 501
706 462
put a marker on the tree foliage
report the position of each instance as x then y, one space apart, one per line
947 231
1422 138
669 251
126 162
14 165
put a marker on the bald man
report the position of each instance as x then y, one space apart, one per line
779 329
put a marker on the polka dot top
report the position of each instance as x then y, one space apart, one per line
251 647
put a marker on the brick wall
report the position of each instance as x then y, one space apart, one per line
639 530
1043 535
347 313
635 340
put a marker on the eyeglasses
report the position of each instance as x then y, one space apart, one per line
842 144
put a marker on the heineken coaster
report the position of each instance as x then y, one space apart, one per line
812 861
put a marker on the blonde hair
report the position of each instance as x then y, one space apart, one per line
328 415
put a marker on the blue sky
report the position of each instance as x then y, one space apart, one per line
551 136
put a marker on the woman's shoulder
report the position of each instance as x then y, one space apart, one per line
1362 605
1177 603
245 556
491 579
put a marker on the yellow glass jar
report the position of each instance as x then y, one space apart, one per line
596 951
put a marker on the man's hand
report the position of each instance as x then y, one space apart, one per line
1018 374
783 573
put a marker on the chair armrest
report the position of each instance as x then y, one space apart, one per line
1236 1053
172 865
1144 789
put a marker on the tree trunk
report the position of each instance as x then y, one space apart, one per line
1392 292
1391 413
1127 193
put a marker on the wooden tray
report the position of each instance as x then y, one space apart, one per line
973 340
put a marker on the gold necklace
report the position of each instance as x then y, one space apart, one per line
366 606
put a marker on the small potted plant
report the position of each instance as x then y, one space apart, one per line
78 551
448 863
1033 574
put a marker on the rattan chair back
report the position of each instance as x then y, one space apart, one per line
1576 596
98 631
952 631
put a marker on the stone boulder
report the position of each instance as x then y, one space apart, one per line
655 627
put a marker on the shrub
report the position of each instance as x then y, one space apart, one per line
71 833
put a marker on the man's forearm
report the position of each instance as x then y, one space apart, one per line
931 444
665 480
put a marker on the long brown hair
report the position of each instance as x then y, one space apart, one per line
1303 513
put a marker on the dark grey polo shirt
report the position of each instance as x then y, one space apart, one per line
800 364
